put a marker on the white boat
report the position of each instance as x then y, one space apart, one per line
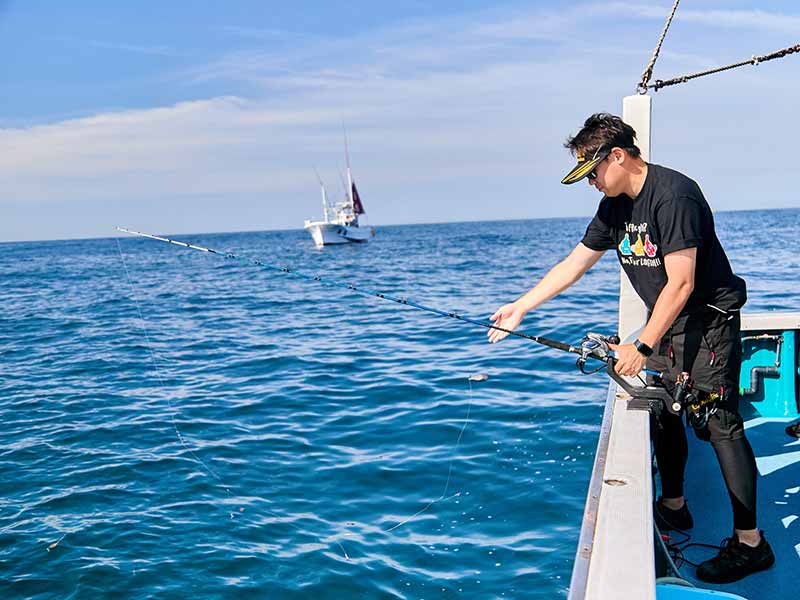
340 224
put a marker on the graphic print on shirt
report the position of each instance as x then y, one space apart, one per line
638 247
642 253
625 246
649 247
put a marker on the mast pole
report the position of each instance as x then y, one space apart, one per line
349 175
637 111
324 202
324 197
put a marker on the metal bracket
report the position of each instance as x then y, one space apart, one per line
651 398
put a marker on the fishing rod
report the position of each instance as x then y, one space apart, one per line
594 346
359 290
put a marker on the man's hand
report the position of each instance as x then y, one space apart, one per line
508 317
630 361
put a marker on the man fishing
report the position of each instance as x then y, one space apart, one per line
662 229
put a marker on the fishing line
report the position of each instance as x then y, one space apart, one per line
405 301
173 412
162 381
470 379
593 346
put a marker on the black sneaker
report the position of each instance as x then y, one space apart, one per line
793 430
736 561
668 519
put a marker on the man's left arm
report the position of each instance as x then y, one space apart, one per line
680 267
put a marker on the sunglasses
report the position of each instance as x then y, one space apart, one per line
603 154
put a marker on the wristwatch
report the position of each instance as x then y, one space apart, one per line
643 348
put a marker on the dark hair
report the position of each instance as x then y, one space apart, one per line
603 130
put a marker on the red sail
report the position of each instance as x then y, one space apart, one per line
358 208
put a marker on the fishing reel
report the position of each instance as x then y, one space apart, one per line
699 405
647 397
595 345
683 394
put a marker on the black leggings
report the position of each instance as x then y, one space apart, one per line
711 352
735 456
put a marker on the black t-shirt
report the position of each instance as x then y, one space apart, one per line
669 214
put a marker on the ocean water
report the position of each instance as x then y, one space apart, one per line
178 425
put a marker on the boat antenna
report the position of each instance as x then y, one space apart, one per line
318 176
324 195
344 184
349 174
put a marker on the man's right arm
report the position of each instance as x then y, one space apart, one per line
558 279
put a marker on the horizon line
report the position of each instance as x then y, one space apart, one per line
285 229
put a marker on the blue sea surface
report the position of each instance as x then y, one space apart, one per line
179 425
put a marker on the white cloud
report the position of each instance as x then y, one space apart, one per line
118 45
720 18
562 24
730 19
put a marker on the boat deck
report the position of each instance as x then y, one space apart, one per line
778 461
616 534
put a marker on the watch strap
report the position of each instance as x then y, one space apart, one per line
643 348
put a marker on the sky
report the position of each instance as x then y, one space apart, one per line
188 117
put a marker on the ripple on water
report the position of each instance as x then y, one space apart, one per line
291 440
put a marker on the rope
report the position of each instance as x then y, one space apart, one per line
751 61
648 72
